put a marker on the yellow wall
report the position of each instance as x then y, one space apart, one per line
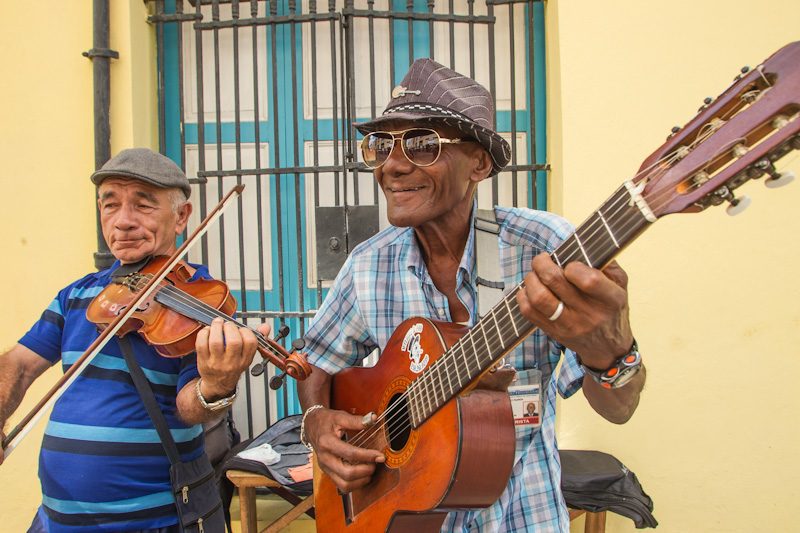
47 150
714 298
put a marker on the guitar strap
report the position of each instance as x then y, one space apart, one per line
487 257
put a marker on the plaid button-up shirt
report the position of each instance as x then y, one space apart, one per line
385 281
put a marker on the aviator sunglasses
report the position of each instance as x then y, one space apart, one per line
421 146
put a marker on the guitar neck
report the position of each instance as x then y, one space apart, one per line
617 222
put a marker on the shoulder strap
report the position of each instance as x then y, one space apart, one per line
149 400
487 256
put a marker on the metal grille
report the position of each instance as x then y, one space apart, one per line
264 94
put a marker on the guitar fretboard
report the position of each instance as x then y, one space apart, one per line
595 242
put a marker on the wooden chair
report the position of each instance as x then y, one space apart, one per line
595 522
247 483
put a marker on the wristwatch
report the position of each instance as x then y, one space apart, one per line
620 372
218 405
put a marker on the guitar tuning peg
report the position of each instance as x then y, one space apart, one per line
706 101
776 179
737 205
744 70
673 131
780 179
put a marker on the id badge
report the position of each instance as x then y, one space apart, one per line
526 399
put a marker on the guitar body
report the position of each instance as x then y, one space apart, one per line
458 458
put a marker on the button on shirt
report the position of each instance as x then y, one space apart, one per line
385 281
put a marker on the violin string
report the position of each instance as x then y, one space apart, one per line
196 304
390 418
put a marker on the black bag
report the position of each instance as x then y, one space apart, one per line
194 484
596 481
197 496
284 437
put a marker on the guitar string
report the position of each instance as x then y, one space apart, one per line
571 256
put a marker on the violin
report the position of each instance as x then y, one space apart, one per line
171 315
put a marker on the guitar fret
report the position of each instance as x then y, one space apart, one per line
497 327
608 229
583 250
427 404
511 316
441 386
463 356
449 383
558 261
486 341
474 351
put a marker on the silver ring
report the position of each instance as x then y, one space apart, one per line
557 312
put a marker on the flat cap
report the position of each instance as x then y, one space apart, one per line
145 165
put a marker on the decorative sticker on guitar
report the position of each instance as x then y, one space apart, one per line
412 346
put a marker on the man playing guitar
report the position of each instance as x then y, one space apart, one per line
424 264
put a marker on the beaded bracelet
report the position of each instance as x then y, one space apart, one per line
303 425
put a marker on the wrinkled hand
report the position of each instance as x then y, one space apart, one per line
348 466
224 351
595 321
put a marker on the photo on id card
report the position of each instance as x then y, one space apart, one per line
525 394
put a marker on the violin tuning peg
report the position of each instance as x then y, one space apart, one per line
257 369
737 205
283 331
298 344
277 381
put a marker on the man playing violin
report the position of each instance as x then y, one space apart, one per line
433 145
102 465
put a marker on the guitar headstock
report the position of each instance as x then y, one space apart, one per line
733 139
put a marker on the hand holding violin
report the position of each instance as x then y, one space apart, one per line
224 351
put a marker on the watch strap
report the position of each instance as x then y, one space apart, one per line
620 372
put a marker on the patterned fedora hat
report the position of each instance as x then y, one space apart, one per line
435 95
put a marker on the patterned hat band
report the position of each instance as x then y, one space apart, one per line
427 108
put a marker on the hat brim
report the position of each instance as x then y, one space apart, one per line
492 142
100 175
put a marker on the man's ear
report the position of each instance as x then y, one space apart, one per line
183 217
483 164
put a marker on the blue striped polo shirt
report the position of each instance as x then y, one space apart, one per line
102 466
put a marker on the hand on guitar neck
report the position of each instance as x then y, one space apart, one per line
585 309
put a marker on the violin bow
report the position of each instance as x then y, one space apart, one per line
21 430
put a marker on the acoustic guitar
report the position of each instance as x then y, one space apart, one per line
450 446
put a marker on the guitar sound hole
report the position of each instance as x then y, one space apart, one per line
398 425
